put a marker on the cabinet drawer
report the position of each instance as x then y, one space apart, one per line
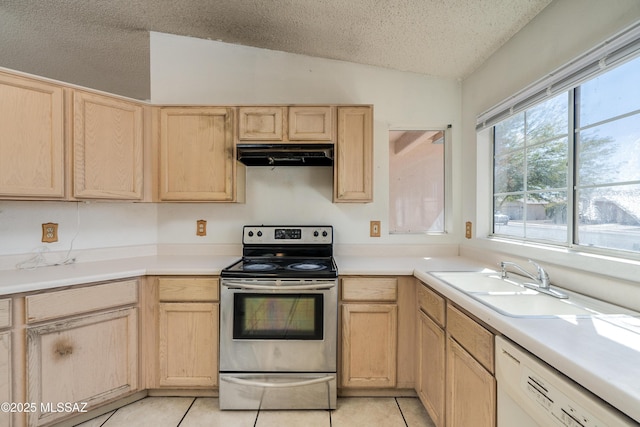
473 337
5 313
179 289
369 289
432 304
70 302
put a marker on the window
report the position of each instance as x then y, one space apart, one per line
531 172
607 140
416 181
567 170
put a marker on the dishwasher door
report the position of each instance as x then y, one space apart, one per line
511 414
531 394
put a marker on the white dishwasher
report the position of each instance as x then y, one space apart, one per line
531 394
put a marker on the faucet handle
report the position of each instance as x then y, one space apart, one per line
539 269
543 276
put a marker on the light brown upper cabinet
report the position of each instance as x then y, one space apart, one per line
353 163
196 154
310 124
260 123
281 123
32 139
107 147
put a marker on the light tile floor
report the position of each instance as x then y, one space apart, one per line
196 412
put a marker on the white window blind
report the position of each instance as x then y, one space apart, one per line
614 51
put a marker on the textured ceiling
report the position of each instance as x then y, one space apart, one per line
104 44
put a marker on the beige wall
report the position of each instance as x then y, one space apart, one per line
191 71
560 33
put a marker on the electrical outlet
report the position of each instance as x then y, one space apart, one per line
374 229
201 228
50 232
467 229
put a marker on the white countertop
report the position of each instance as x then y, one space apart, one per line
595 353
17 281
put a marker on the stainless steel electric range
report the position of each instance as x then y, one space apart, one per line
278 320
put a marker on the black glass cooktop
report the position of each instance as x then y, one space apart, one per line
256 267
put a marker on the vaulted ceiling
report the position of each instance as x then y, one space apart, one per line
104 44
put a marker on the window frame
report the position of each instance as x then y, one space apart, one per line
573 187
447 181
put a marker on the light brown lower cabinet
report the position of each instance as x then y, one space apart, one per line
471 390
188 352
455 364
5 374
369 345
430 378
86 359
188 319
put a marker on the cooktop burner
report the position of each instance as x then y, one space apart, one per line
281 267
307 266
259 266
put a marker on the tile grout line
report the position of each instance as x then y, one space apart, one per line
187 411
255 422
401 413
108 418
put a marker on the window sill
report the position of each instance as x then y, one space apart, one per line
603 265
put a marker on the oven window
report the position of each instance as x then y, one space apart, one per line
282 317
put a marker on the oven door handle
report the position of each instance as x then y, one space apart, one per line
265 384
315 287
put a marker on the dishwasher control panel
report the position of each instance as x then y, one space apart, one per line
556 403
547 396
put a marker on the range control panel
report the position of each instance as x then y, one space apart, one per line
283 235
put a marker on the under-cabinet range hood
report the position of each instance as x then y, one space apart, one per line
285 154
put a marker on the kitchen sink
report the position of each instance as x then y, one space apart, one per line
529 305
510 297
472 281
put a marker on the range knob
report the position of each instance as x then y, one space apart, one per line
259 233
250 233
325 234
315 234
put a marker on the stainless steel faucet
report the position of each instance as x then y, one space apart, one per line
542 279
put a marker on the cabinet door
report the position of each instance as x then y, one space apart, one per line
353 164
188 344
310 124
196 154
89 359
369 345
5 374
471 390
31 140
260 123
431 368
107 148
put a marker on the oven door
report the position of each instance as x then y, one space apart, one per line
278 325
